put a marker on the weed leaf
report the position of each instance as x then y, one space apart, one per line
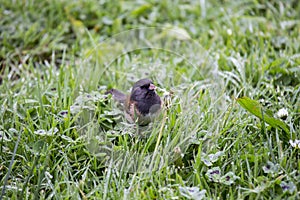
256 109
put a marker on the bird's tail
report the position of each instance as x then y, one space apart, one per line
117 95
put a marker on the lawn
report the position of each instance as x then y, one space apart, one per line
227 71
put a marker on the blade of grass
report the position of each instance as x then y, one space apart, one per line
255 108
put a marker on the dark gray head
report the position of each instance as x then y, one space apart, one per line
144 84
143 92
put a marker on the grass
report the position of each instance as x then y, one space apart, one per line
61 137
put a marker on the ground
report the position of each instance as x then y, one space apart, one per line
228 72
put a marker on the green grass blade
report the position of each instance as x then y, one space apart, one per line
255 108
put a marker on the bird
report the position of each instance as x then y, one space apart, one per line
142 105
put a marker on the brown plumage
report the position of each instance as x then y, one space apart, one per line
142 105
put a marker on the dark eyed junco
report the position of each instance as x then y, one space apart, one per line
142 105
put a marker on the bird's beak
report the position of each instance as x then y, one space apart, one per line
152 87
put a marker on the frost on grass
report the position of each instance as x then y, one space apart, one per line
209 159
50 132
271 168
90 102
214 174
192 193
87 101
288 187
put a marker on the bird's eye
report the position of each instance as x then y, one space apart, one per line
146 86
